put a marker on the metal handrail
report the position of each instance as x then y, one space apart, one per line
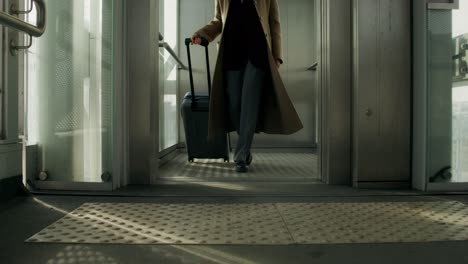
166 46
313 67
18 24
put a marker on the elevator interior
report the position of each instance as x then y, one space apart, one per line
276 158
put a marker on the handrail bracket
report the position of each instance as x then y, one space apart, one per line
32 30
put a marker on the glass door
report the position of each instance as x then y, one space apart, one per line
69 98
10 144
447 54
168 77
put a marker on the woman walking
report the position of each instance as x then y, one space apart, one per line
248 94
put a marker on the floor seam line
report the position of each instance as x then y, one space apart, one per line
285 224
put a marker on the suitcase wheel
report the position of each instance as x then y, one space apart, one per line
191 160
226 160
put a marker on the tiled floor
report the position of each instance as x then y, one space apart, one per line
263 224
270 167
25 216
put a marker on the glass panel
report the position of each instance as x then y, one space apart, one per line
2 62
69 90
168 80
460 94
448 94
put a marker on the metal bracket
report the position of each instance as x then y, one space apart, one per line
313 67
106 177
464 70
464 46
444 175
460 59
43 176
168 48
452 5
36 30
14 48
14 11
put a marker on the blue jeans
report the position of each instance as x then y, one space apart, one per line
244 89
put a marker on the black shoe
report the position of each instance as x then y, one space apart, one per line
249 159
241 167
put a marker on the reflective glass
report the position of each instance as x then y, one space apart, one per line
168 76
69 90
448 94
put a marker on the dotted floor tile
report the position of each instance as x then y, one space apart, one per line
261 224
376 222
265 167
78 254
169 224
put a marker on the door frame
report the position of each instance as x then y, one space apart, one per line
141 126
120 158
334 104
335 87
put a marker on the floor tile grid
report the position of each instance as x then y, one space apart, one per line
117 229
310 224
261 224
267 166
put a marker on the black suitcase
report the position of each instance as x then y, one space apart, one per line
194 111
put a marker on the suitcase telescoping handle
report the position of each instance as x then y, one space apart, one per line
204 43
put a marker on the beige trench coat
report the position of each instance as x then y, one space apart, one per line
277 114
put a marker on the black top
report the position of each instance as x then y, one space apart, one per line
244 38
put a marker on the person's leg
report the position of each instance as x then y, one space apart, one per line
250 104
234 82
